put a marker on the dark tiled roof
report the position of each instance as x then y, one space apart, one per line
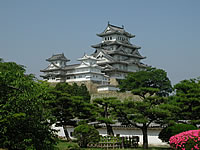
126 54
105 52
107 43
115 30
52 75
108 54
69 67
58 57
51 70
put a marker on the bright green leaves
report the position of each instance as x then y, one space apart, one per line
70 103
145 91
105 112
86 133
187 97
25 121
152 85
151 78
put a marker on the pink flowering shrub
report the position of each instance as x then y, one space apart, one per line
189 140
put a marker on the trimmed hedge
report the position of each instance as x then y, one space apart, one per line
167 132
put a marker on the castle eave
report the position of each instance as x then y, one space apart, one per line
115 32
51 70
100 45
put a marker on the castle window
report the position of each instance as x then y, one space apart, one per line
110 38
105 38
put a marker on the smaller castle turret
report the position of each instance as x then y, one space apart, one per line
55 72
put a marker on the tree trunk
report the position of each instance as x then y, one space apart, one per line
108 126
66 133
145 137
109 130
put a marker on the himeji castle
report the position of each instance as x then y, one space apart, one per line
112 59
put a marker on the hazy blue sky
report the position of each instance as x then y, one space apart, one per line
167 30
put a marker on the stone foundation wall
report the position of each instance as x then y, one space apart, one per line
118 95
113 81
92 87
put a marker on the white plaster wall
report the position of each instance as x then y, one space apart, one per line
116 65
102 89
152 134
102 60
60 130
133 68
56 80
107 89
87 79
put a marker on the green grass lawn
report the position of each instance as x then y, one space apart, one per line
62 145
151 148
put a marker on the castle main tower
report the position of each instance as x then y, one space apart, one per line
116 54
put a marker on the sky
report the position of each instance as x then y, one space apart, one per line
168 31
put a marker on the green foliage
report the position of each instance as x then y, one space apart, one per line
74 90
187 97
72 146
170 131
64 145
153 86
85 134
148 80
104 112
71 102
25 121
150 85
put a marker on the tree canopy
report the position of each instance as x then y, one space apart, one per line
150 80
187 97
71 102
152 85
85 134
104 111
25 121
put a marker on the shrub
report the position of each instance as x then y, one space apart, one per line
72 146
85 134
167 132
189 140
64 145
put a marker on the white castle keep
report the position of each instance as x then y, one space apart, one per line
112 59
